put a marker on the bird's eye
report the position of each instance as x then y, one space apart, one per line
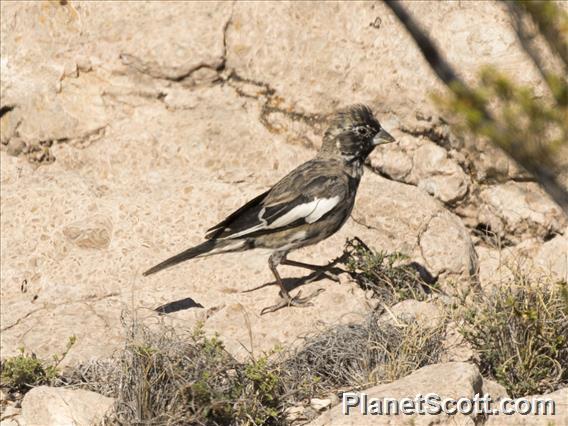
362 131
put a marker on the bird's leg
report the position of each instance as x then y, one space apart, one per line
321 270
287 300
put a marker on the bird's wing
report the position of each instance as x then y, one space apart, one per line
250 209
304 196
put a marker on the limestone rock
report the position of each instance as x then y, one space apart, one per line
74 74
531 257
154 136
328 60
393 160
420 162
320 404
520 208
437 174
426 313
449 380
458 257
494 389
416 225
59 407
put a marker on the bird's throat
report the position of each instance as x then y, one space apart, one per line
354 168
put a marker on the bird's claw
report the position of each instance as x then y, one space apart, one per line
297 301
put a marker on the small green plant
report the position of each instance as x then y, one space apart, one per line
390 276
265 380
24 371
520 331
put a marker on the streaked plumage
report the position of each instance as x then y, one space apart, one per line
306 206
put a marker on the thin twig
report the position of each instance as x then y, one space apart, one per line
526 40
449 76
551 21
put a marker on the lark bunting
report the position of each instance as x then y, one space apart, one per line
306 206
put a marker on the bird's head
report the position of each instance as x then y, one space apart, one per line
353 133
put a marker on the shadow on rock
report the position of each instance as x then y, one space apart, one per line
178 305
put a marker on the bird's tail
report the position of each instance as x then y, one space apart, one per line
206 248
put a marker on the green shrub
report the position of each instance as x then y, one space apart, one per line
520 331
390 277
24 371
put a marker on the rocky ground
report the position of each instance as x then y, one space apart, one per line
128 130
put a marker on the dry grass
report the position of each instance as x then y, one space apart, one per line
162 378
355 356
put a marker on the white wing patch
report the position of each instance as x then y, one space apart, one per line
310 212
322 207
299 212
261 219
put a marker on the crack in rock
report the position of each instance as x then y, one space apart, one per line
55 305
440 136
175 74
419 236
181 73
275 116
22 318
40 152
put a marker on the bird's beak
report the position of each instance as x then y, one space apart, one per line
382 138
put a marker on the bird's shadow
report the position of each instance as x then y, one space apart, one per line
295 282
289 283
178 305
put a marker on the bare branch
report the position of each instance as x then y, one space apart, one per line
526 40
440 66
444 70
552 23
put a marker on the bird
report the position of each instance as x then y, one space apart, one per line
306 206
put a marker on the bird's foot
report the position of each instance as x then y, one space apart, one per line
286 301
